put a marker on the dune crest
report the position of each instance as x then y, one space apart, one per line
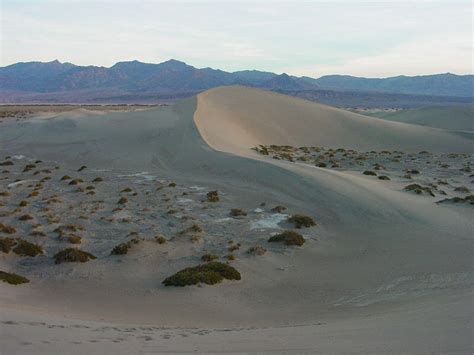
234 118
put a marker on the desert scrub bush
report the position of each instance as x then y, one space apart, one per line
82 168
383 177
172 211
212 196
65 177
233 248
29 167
418 189
4 193
209 257
210 274
121 249
300 220
127 189
230 257
6 163
25 217
288 238
25 248
13 279
23 203
76 182
37 234
160 239
321 165
195 228
237 212
98 179
72 255
7 229
122 201
413 171
370 173
74 239
6 244
278 209
257 250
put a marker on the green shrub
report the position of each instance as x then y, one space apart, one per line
12 278
300 220
25 248
209 257
73 255
213 196
6 244
289 238
210 274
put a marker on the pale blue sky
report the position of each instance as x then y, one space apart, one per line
314 38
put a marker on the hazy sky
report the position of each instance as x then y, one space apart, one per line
314 38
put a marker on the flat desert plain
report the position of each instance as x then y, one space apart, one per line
337 232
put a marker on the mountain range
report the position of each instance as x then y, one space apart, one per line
136 81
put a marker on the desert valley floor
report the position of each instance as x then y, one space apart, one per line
388 267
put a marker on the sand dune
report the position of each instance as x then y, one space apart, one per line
236 118
379 259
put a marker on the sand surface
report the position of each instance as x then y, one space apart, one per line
384 270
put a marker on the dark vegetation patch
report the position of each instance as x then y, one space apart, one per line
459 200
383 177
210 274
25 248
278 209
418 189
237 212
13 279
7 229
213 196
73 255
300 221
288 238
370 173
257 250
160 239
209 257
6 244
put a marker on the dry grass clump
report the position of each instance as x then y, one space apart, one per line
209 257
257 250
213 196
13 279
25 248
418 189
160 239
300 220
122 201
237 212
230 257
195 228
288 238
370 173
210 274
6 244
25 217
233 247
72 255
7 229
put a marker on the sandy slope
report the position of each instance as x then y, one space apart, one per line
380 260
234 118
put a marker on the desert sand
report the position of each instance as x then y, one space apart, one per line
384 269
